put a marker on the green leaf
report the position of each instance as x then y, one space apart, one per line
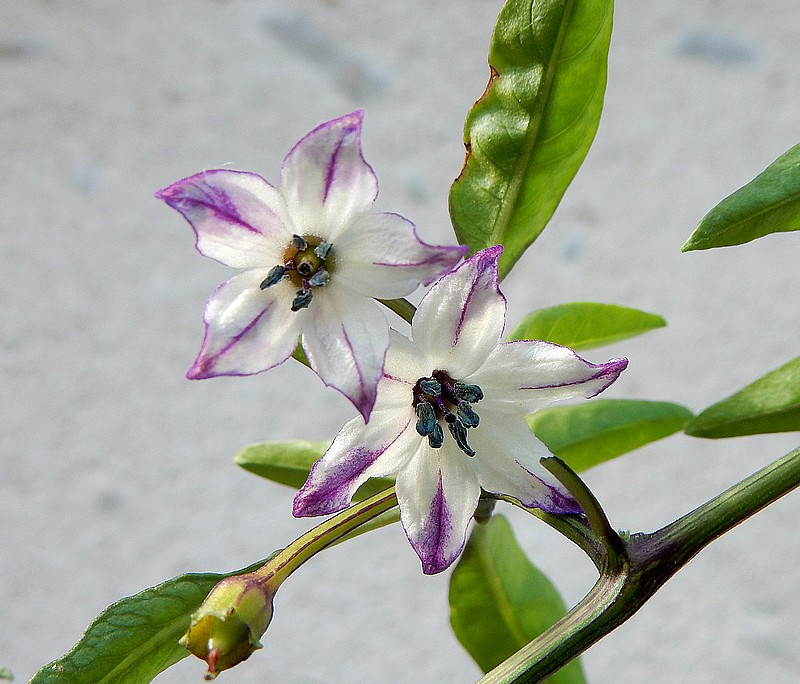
6 674
136 638
770 203
585 325
770 404
529 132
499 601
290 462
586 434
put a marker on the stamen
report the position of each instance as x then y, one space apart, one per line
274 276
427 419
467 416
320 278
459 433
431 387
436 437
470 393
299 243
323 249
301 300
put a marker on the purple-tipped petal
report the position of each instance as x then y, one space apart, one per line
248 330
438 494
326 181
524 376
461 318
506 461
382 256
239 218
345 342
359 452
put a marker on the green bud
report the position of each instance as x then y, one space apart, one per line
226 628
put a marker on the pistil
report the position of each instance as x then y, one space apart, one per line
307 262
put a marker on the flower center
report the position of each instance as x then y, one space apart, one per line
438 398
307 263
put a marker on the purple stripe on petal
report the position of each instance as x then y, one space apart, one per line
485 263
204 365
434 535
556 501
610 371
332 164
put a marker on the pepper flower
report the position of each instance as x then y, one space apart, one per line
449 419
313 254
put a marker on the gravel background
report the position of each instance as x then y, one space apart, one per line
116 471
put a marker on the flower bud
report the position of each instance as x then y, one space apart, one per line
226 628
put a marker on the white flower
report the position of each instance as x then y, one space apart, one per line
312 254
449 419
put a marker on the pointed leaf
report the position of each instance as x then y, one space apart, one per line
770 203
529 132
499 601
585 325
770 404
584 435
290 462
135 638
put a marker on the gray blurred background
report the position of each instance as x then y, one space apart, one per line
117 472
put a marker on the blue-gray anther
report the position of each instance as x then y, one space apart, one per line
301 300
459 433
436 438
467 416
299 243
470 393
323 249
274 275
427 418
431 387
320 278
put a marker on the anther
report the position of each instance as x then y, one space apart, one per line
275 274
431 387
301 300
459 433
323 249
436 437
320 278
467 416
299 243
426 422
470 393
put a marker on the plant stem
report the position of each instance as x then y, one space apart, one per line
649 560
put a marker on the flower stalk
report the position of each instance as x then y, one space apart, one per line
648 561
226 629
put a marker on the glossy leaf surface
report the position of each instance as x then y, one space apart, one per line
585 325
499 601
770 404
134 639
590 433
529 132
290 462
770 203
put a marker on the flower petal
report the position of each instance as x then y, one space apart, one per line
506 461
239 218
524 376
248 330
345 341
326 181
382 256
404 363
438 494
360 451
461 318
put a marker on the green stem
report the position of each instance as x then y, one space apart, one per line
649 561
335 529
402 307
